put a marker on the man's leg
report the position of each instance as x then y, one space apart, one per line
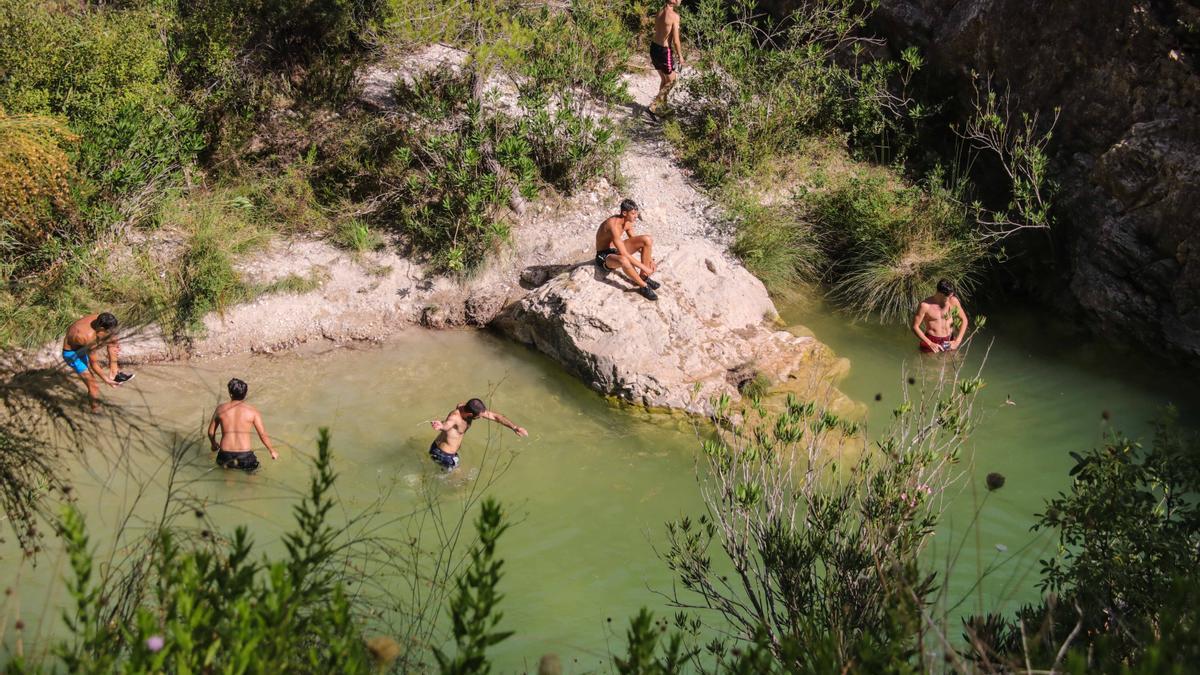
663 87
643 245
92 388
624 264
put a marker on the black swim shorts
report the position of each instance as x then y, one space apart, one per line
602 256
445 459
246 461
662 59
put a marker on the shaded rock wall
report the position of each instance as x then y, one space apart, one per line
1125 76
1126 148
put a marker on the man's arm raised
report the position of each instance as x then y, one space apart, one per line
501 419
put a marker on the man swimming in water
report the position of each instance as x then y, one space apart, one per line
236 419
444 449
616 243
86 336
935 317
665 53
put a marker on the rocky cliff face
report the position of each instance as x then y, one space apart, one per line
1125 76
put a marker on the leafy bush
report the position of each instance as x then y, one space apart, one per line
582 50
35 199
762 86
568 146
1121 587
195 604
108 72
815 554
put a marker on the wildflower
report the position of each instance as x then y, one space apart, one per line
155 643
1001 548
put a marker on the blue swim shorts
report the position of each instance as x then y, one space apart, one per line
77 359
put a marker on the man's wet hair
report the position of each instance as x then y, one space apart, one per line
475 407
945 287
106 321
628 205
238 389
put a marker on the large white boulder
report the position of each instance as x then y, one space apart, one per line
712 328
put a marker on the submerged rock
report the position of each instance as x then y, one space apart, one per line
713 322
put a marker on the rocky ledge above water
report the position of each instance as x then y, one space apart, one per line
712 329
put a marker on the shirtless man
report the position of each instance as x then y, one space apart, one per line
88 335
935 320
616 243
444 449
665 53
236 419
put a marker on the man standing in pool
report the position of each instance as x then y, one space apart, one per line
616 244
236 419
444 449
935 318
88 335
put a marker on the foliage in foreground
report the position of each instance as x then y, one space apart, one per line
1121 587
195 605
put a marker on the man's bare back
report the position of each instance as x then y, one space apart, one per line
666 27
237 420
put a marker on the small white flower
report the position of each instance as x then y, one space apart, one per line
1001 548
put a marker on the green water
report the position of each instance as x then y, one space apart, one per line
591 487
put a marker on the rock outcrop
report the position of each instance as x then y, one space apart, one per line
712 328
1125 76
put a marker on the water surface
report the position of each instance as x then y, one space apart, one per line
591 487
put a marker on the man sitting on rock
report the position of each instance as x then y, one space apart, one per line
616 243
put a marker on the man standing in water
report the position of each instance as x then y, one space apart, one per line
665 53
444 449
88 335
236 419
935 320
616 243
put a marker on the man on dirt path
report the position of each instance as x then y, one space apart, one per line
444 449
85 337
236 420
935 318
665 53
616 243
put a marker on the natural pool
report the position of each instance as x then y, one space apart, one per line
591 487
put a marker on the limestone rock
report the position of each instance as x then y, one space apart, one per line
712 322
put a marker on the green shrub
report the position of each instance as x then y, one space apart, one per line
357 236
108 72
762 86
196 604
777 245
35 187
568 146
582 50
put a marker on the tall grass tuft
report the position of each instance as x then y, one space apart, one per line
893 242
778 246
887 284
